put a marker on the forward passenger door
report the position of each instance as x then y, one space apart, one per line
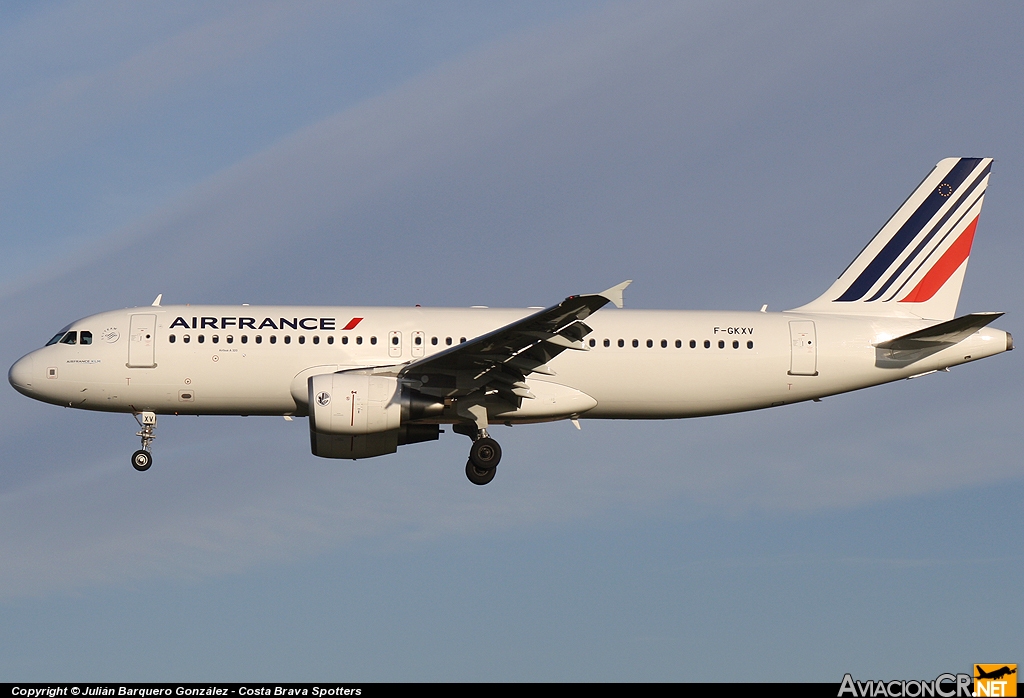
141 341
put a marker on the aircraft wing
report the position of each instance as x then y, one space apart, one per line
499 361
945 333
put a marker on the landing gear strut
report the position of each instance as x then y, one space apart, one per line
142 459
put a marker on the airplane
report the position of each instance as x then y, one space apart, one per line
995 674
371 379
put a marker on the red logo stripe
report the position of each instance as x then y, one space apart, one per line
944 268
352 323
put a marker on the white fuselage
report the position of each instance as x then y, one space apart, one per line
641 364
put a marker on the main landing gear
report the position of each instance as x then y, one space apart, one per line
482 465
485 452
142 459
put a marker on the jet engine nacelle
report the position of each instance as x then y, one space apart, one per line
354 415
354 404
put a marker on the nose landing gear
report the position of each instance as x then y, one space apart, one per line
143 459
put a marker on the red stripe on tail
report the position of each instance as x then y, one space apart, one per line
944 268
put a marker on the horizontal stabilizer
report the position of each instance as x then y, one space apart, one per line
949 333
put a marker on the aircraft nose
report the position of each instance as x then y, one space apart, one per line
22 375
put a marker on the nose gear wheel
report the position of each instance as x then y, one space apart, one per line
141 460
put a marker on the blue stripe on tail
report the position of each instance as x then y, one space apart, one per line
909 231
931 234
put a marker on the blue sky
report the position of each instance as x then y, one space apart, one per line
722 156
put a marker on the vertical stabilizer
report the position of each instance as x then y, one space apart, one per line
915 265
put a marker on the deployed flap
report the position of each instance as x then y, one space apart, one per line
499 361
949 333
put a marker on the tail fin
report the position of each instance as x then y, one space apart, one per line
915 265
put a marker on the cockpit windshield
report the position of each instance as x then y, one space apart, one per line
57 337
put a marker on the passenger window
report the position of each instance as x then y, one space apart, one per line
302 339
185 338
170 338
679 344
316 339
70 338
229 339
202 339
215 339
707 343
273 339
622 343
418 341
636 343
693 343
462 340
259 339
735 344
344 340
287 339
359 340
664 343
750 345
721 344
245 339
330 340
448 341
373 340
607 342
433 340
86 337
394 340
650 343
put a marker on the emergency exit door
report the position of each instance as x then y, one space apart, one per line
395 344
803 358
419 343
141 336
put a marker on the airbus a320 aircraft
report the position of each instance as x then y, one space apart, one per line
373 379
